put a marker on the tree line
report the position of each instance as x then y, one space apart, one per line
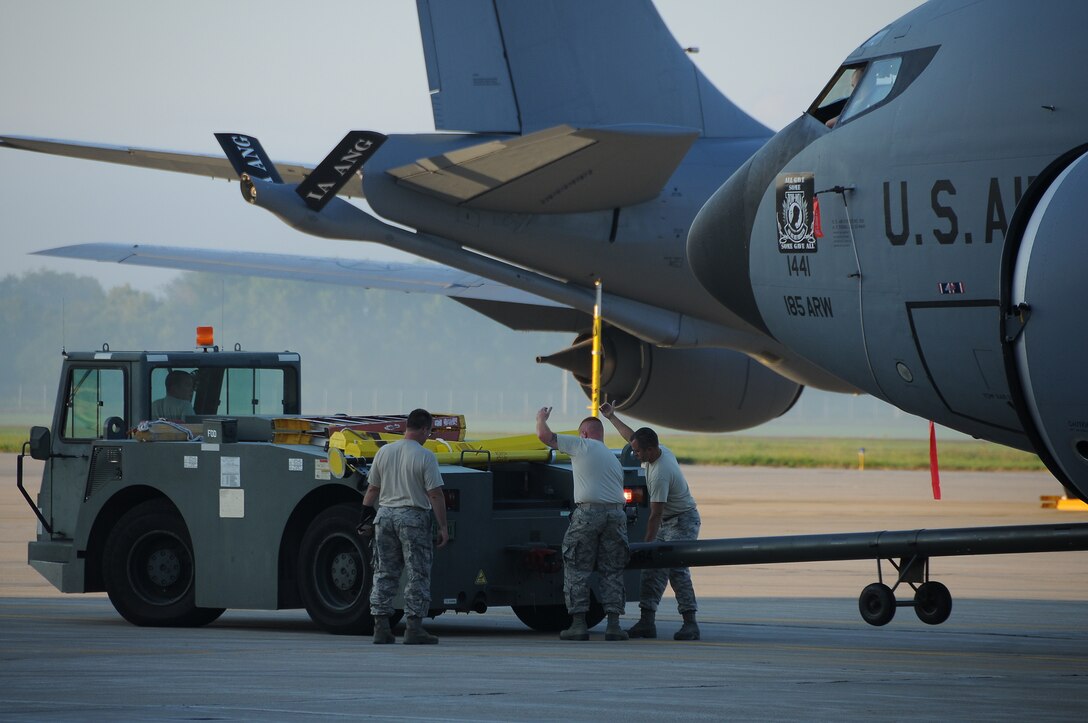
358 346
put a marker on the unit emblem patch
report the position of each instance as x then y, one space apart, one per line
798 213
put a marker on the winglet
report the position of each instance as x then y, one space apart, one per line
339 166
248 157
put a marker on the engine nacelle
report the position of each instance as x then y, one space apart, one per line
1044 340
709 390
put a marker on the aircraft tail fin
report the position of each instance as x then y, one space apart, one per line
517 67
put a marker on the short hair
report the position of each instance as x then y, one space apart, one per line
595 423
419 419
646 438
177 377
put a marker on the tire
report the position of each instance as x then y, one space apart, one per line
148 569
877 604
335 573
554 618
932 603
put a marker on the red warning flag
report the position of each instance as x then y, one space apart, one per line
817 229
934 475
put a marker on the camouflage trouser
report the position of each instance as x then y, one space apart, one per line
595 536
684 526
402 539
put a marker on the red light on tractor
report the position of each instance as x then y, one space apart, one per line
634 496
205 336
453 499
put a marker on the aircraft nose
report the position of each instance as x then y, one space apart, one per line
721 234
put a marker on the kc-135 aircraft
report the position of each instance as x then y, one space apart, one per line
577 142
914 234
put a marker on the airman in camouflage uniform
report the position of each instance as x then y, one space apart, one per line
597 536
598 526
402 541
673 516
405 481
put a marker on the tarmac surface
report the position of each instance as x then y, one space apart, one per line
778 641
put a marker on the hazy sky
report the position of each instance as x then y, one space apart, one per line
297 75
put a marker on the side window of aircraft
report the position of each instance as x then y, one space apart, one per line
874 87
831 102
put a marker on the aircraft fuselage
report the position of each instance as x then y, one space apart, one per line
892 245
638 251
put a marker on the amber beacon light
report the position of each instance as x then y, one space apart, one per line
205 336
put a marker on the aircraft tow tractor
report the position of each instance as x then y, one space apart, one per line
247 503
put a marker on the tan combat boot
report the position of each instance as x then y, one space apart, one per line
414 634
577 629
382 633
614 631
689 630
645 627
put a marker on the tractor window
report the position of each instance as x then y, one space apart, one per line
252 391
228 392
172 392
93 395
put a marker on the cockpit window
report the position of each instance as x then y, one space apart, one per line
874 87
829 106
860 87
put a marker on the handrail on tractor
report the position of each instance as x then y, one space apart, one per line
19 483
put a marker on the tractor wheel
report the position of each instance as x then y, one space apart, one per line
335 572
148 569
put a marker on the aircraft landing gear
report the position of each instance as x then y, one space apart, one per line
932 602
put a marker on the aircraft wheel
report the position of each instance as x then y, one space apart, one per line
554 618
932 603
148 569
334 573
877 604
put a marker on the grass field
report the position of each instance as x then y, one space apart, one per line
834 452
12 438
846 453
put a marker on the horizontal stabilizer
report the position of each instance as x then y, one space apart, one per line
558 170
247 157
343 162
197 164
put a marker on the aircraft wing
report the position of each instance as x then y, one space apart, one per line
557 170
512 307
216 166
